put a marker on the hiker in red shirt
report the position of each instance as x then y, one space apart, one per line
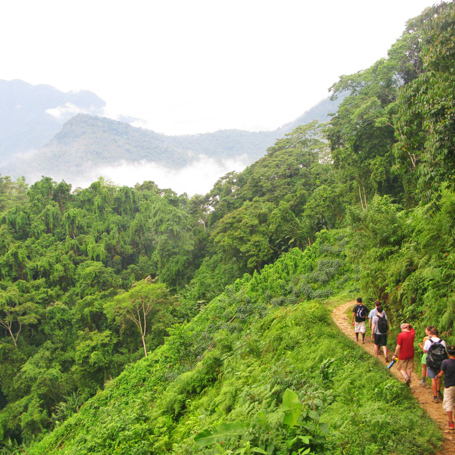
405 351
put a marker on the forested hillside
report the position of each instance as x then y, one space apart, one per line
138 321
86 144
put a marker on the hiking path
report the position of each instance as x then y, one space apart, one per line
423 395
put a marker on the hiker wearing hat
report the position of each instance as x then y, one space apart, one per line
448 370
405 351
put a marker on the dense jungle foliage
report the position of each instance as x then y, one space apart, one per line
138 321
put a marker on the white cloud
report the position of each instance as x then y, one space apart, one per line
68 110
30 153
197 178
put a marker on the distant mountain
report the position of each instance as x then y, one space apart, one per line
87 143
30 115
33 141
322 112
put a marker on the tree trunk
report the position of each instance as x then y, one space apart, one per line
143 344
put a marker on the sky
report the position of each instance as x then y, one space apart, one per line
195 66
202 65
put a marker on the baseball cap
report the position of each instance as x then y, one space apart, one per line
451 349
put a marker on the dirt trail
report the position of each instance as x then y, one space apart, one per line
423 395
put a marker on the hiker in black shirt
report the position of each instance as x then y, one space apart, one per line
359 315
448 370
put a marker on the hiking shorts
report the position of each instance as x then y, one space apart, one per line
380 339
424 359
406 365
431 373
449 399
359 327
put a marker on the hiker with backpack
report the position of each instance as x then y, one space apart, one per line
380 329
405 351
436 352
359 316
448 370
374 312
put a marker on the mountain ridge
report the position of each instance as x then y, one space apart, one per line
32 114
87 142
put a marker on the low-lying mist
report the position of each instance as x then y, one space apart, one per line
197 178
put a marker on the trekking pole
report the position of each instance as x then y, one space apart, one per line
392 363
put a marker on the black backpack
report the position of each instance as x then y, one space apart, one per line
383 325
361 312
436 354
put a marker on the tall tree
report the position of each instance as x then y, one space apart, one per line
426 113
17 310
143 305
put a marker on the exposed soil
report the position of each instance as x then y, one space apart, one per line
423 395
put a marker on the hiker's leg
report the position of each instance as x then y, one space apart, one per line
424 374
438 384
363 329
405 368
410 369
435 384
384 348
448 403
434 387
404 373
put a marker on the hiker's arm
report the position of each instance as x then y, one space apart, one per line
423 348
372 330
353 316
397 351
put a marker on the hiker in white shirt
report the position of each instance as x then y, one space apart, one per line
435 380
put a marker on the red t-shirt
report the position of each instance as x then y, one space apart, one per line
406 341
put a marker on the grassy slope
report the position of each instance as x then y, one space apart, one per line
234 363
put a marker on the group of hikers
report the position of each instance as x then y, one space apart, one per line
438 359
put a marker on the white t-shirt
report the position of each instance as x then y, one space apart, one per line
428 343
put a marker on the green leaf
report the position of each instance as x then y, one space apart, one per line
324 428
262 419
292 408
220 433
